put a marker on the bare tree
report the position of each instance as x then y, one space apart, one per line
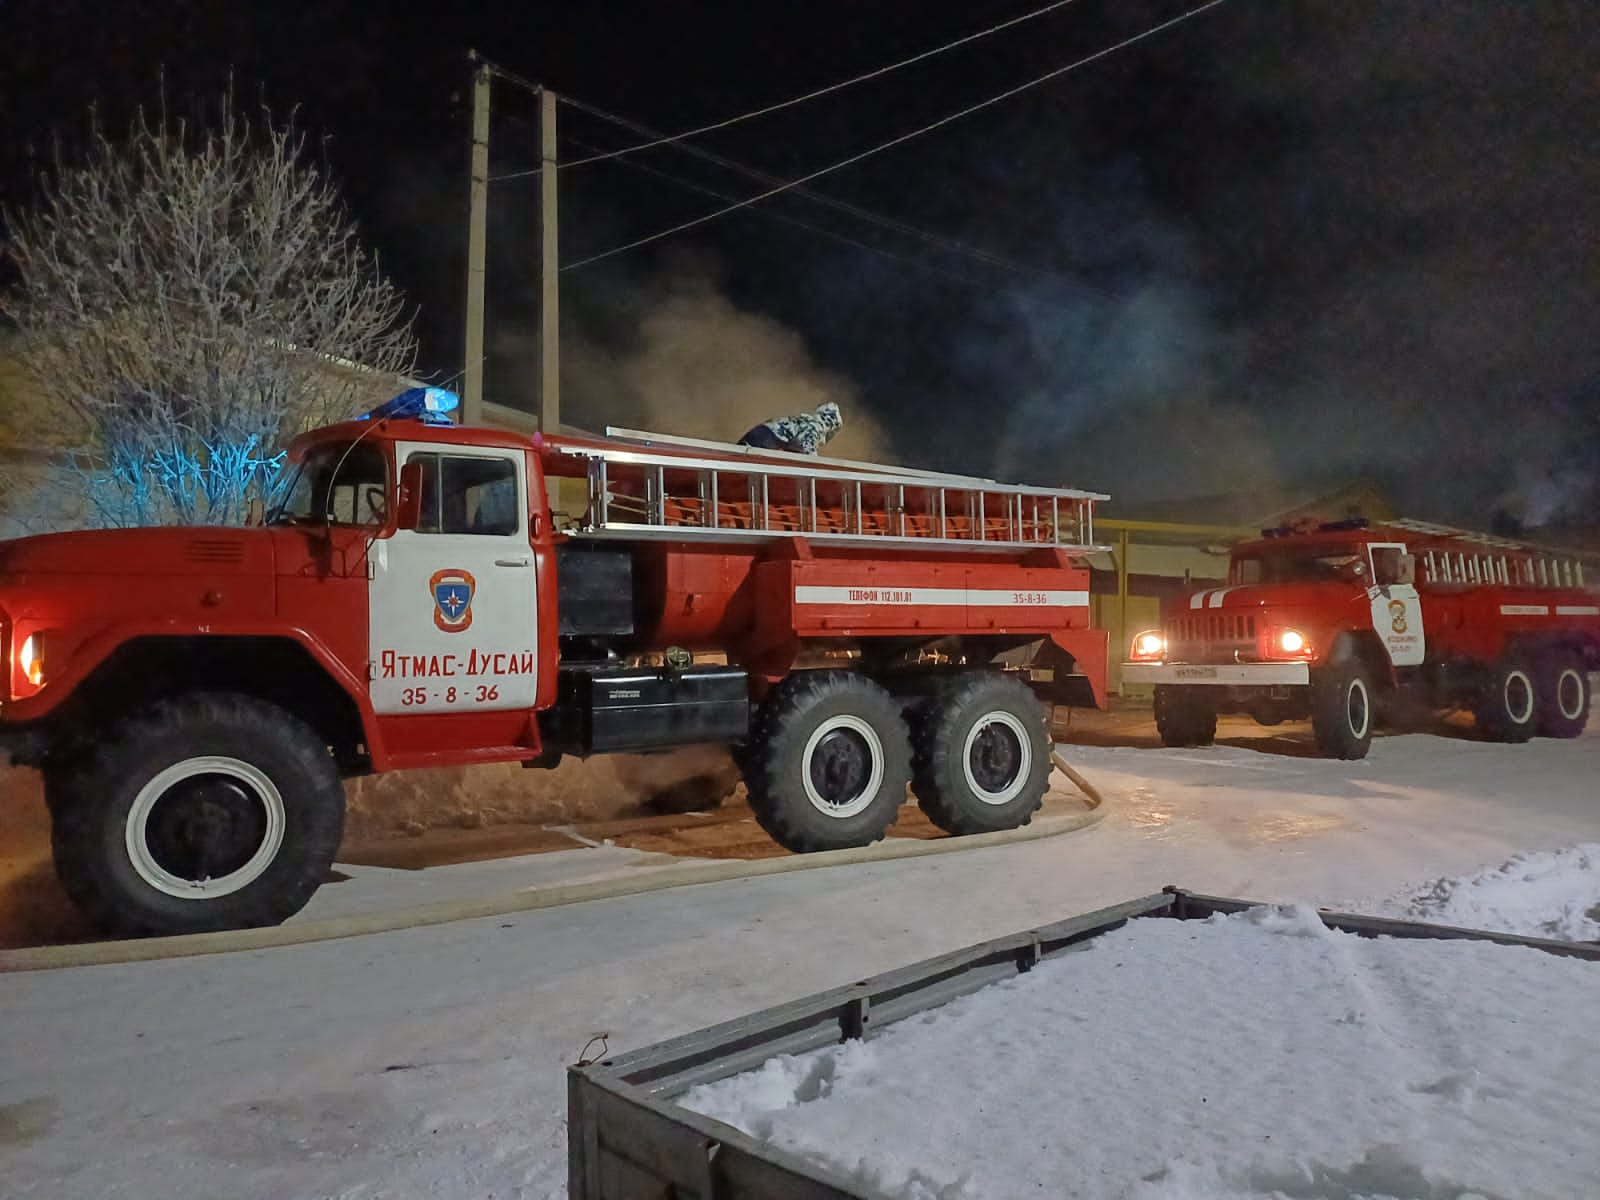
189 298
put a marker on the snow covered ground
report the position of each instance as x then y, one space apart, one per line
1253 1055
429 1062
1548 894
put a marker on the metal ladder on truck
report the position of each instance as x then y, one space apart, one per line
646 485
1450 555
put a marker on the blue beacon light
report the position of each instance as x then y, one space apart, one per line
430 405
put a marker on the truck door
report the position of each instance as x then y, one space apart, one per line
452 603
1396 607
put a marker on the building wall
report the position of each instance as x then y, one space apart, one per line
1144 612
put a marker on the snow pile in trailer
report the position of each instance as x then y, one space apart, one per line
1547 894
1258 1055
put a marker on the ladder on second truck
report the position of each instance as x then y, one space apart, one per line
1445 554
653 485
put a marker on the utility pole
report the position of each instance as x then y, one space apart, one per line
549 271
477 245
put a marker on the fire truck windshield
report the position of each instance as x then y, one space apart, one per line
337 484
1298 564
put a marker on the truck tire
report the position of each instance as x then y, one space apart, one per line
1184 717
1342 711
1508 702
207 812
1563 696
828 762
981 755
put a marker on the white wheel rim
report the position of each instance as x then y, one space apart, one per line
865 797
1570 675
1523 713
1024 760
1357 697
144 804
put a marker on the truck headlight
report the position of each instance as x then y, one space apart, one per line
31 659
1291 641
1149 645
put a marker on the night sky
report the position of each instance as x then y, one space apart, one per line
1282 244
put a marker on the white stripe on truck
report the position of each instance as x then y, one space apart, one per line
1209 598
941 597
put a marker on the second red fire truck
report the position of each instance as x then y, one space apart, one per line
1336 621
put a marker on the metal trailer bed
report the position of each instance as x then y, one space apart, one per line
627 1140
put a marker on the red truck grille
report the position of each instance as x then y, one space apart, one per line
1212 635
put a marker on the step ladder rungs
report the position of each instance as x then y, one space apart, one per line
646 439
645 493
1504 561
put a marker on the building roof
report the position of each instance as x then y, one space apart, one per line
1264 508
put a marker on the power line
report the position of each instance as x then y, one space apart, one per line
930 237
855 210
833 235
510 76
904 137
819 92
927 236
799 224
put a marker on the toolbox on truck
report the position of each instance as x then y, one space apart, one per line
642 708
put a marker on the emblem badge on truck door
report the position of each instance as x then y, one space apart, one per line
1397 616
452 599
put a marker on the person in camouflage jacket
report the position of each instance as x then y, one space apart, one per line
803 433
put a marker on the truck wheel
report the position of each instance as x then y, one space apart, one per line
1508 705
1184 717
828 763
207 812
1342 710
981 756
1563 696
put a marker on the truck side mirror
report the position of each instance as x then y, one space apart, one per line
408 513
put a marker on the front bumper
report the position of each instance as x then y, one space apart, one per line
1286 674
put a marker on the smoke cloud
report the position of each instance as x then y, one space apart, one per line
1308 245
1418 251
1304 243
1110 368
696 365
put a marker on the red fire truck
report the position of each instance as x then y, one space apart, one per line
194 697
1336 621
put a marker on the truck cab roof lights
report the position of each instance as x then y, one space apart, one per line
1311 525
1342 526
430 405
